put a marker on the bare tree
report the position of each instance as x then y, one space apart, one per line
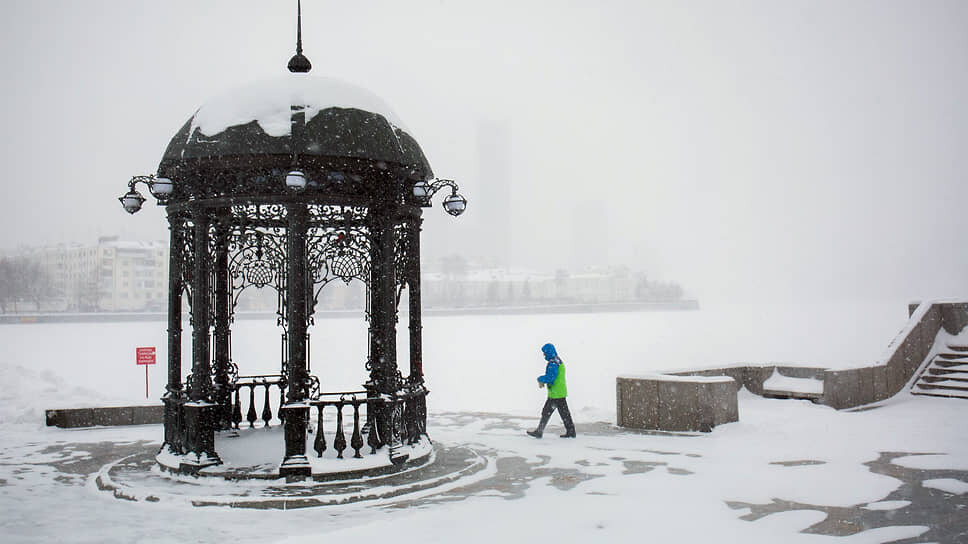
23 280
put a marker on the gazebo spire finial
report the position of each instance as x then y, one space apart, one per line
299 63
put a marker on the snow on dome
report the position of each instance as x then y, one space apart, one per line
269 102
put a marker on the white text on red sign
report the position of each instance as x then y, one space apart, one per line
145 356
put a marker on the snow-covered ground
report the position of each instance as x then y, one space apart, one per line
621 486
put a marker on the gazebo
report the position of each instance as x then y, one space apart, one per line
291 184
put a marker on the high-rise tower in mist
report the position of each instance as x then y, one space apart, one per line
589 235
494 184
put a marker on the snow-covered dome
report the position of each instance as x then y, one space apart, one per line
295 115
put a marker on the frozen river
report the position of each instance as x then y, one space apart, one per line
788 471
472 363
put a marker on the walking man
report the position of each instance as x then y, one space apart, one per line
554 380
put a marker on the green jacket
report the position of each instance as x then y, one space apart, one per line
554 378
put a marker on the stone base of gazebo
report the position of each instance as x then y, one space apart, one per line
138 477
256 453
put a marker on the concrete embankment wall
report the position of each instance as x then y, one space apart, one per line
852 387
694 400
905 354
107 416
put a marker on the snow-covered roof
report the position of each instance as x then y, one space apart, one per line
334 120
269 102
133 244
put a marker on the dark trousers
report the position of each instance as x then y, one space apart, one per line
549 408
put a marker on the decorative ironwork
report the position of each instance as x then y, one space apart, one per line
338 247
342 254
182 230
454 203
399 408
339 443
312 387
256 259
401 257
356 442
237 222
256 410
231 372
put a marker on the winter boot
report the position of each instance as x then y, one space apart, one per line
569 434
535 433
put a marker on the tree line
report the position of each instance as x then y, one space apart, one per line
23 284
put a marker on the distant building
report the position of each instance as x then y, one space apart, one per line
129 276
473 287
132 275
113 275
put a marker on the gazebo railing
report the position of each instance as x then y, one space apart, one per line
358 406
339 401
259 405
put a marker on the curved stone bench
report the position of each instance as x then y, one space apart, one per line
676 403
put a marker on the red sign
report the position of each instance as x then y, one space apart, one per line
145 356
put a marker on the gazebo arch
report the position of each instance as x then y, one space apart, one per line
291 184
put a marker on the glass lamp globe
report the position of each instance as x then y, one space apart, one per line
455 204
132 201
421 190
296 180
161 188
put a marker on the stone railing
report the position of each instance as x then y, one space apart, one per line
676 403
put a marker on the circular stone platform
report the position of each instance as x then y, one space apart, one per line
138 477
256 453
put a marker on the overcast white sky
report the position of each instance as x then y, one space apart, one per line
777 149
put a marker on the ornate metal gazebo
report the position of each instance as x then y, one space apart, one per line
292 184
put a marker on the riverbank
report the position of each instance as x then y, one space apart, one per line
115 317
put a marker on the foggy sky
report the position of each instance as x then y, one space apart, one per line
800 150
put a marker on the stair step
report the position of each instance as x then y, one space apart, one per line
948 363
798 395
947 385
943 395
953 356
958 347
961 377
950 370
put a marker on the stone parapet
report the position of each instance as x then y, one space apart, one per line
676 403
108 416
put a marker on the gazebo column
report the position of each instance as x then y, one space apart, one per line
201 414
296 410
417 411
222 360
383 345
174 397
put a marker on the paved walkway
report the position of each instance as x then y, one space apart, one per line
462 470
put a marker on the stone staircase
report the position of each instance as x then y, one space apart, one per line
946 375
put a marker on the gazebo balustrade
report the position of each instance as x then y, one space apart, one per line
361 404
245 388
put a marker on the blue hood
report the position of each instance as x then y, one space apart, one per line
549 351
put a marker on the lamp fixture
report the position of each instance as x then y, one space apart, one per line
454 203
160 188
